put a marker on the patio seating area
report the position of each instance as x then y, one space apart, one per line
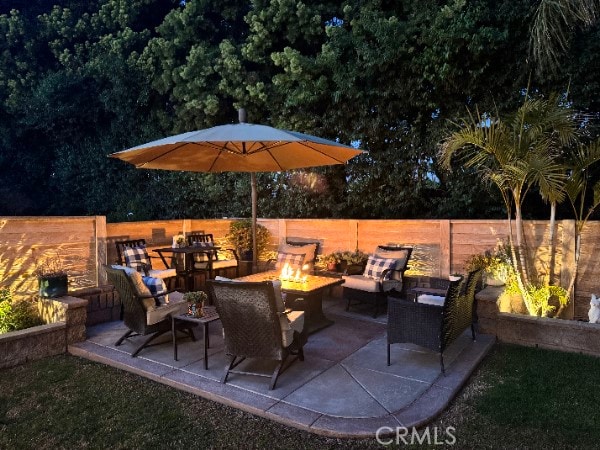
343 388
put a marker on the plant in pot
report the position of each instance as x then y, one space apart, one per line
353 262
52 277
331 260
240 238
195 300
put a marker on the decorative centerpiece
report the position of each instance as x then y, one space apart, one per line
178 241
196 300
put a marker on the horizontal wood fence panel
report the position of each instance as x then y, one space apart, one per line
440 246
26 242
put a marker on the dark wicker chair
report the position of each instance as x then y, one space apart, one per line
252 326
208 262
431 326
168 274
358 289
134 312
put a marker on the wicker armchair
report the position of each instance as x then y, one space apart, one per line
432 326
140 319
359 289
256 325
208 262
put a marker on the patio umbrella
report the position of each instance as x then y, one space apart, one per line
241 147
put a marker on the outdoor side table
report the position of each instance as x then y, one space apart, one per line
204 321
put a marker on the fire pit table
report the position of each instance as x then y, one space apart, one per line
310 288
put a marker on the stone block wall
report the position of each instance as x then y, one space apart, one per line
65 319
104 304
555 334
18 347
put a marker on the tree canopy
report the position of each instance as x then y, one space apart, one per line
81 80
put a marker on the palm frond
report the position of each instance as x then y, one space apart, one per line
552 29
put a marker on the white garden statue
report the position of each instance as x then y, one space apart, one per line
594 312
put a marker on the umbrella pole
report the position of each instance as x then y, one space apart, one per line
254 208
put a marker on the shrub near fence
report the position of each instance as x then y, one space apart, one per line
441 246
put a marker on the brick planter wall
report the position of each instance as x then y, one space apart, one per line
18 347
555 334
65 319
104 304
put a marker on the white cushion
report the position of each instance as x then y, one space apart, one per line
218 264
224 264
128 270
220 278
293 321
162 274
175 306
429 299
362 283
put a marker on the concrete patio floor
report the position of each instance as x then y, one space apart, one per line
343 388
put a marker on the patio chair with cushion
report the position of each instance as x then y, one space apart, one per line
133 253
383 273
433 326
145 313
256 324
208 261
298 254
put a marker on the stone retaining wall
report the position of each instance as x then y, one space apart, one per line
104 304
65 319
556 334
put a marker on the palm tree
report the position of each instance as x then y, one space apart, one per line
582 162
552 29
516 153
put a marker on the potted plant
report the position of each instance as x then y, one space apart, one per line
195 301
52 277
331 260
240 238
352 262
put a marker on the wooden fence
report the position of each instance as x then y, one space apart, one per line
441 246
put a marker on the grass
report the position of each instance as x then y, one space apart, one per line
518 398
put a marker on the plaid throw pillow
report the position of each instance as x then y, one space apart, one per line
157 286
136 257
295 261
375 267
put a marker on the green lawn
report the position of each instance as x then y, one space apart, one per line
519 398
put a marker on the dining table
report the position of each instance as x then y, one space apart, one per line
187 271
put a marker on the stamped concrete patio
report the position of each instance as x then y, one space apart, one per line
344 388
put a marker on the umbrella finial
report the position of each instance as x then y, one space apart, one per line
242 115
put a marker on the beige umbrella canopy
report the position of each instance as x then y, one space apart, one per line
241 147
